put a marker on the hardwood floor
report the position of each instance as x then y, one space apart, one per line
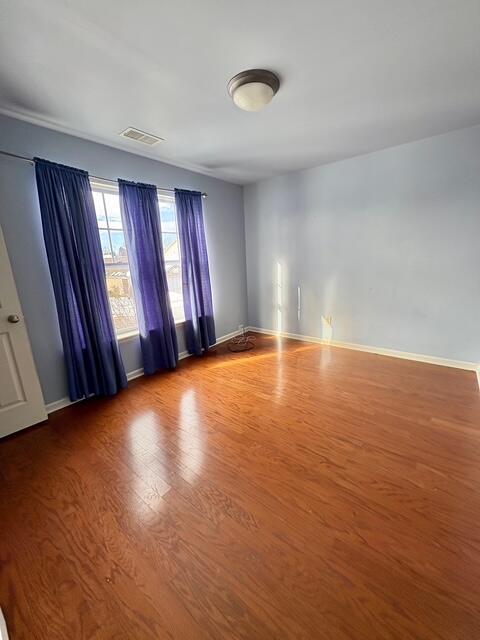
294 491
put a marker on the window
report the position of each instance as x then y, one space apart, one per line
115 256
171 254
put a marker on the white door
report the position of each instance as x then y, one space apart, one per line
21 400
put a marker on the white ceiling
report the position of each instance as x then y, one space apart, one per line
357 75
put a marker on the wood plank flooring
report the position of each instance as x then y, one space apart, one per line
294 491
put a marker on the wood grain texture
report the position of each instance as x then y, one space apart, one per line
294 491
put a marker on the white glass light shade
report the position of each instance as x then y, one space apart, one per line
252 96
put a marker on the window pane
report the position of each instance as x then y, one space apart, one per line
174 279
167 216
106 250
118 278
118 246
99 208
170 246
112 202
171 251
122 301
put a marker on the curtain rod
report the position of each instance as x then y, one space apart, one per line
31 161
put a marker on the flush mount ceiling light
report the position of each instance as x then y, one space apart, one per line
253 89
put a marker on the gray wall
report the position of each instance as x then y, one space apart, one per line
387 243
20 220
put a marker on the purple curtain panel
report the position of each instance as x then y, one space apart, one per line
141 219
72 241
197 293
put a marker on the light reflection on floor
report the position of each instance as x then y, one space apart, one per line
149 477
191 437
147 488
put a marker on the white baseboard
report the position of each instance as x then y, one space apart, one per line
59 404
131 375
229 336
404 355
136 373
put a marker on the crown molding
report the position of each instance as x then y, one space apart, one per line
54 126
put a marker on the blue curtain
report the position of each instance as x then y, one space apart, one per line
197 293
141 218
72 241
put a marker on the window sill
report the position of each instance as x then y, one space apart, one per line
123 337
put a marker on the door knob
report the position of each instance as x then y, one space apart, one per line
13 318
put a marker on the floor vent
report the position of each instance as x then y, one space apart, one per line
140 136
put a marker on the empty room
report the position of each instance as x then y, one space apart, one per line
240 320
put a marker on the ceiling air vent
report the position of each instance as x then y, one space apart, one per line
140 136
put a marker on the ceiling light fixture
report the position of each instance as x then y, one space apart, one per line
253 89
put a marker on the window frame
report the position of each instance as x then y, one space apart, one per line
107 187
